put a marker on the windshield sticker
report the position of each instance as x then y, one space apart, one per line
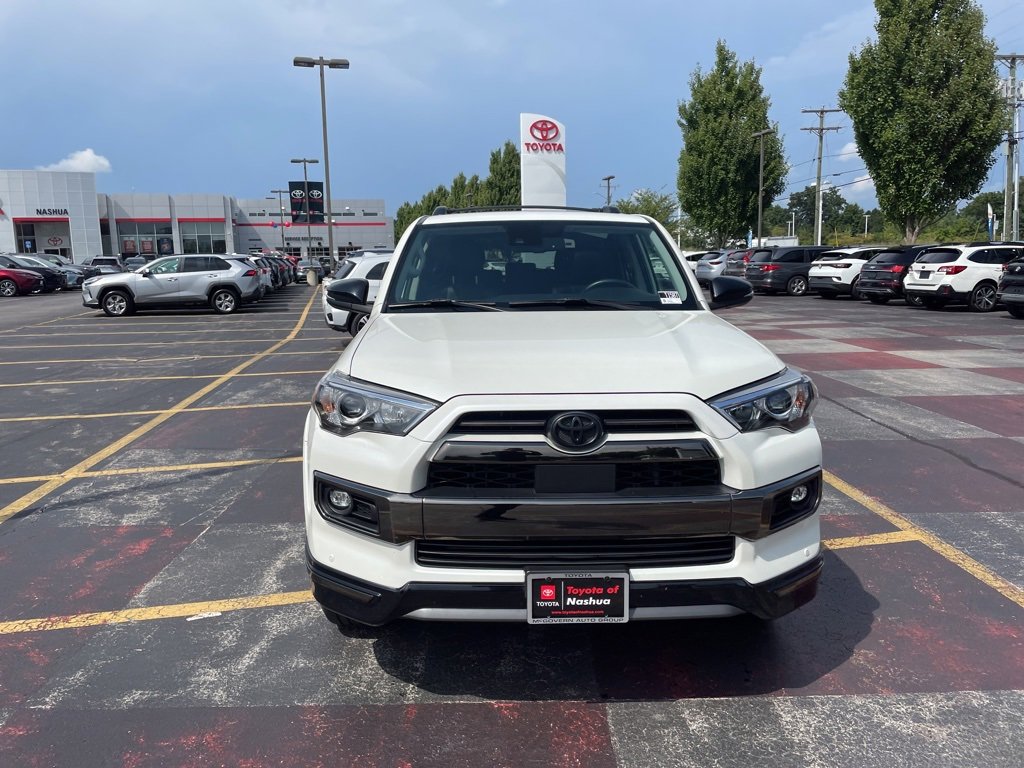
670 297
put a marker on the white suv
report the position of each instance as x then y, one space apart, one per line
543 422
837 272
370 267
957 274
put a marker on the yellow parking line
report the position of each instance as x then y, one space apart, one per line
156 469
892 537
146 332
180 610
143 343
110 380
137 360
73 416
88 463
1007 589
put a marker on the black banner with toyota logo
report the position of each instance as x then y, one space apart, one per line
297 194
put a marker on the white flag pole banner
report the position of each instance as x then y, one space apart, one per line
541 160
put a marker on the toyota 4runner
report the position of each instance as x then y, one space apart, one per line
542 421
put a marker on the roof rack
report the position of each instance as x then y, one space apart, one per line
443 210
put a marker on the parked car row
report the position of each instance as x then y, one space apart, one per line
980 275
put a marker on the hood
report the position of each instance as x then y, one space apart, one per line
443 354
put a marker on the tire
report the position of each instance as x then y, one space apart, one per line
983 298
878 299
1016 311
8 288
855 293
914 301
224 301
117 303
797 286
357 322
932 304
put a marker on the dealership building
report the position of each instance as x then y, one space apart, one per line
61 212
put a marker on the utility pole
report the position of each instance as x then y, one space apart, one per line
608 189
760 179
820 130
1011 225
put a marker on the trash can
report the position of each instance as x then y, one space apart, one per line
312 278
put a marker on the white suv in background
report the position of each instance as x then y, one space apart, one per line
837 272
371 267
544 422
960 274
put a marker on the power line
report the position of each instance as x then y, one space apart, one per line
821 130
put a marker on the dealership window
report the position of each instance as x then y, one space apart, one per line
203 237
26 234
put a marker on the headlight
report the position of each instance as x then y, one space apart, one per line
345 406
787 401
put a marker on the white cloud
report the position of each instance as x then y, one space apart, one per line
817 50
82 161
849 153
862 190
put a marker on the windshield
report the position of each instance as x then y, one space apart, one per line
891 257
521 265
939 256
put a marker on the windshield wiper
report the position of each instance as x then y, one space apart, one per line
576 302
455 303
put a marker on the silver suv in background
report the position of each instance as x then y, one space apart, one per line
174 281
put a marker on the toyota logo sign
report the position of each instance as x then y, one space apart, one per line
298 193
544 130
56 240
316 194
576 431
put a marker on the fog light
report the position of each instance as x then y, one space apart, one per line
342 501
798 495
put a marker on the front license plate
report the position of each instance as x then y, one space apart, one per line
583 597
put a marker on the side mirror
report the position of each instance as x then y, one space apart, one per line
349 294
145 272
730 292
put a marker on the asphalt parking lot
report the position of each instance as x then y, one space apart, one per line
155 608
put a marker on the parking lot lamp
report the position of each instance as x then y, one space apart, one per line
308 62
305 193
280 213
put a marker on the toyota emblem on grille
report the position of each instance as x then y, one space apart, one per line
575 431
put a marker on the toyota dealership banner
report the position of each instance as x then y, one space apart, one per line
297 193
542 160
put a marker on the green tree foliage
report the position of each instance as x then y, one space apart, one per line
501 187
662 207
925 111
718 165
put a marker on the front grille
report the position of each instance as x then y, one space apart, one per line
617 422
575 553
628 476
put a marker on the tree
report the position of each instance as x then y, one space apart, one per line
502 186
718 165
976 211
925 111
662 207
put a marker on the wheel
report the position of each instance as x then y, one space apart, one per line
8 287
914 301
224 301
983 298
117 304
1016 311
357 322
878 299
933 304
855 293
797 286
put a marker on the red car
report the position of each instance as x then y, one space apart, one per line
15 281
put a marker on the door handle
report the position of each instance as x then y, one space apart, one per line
172 279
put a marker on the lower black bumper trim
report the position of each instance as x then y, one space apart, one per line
376 605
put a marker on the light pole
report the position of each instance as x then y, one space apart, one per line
305 192
760 179
866 217
608 189
280 214
306 61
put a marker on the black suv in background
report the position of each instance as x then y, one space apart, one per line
771 270
1011 288
881 279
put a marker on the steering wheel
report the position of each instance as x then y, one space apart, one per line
609 282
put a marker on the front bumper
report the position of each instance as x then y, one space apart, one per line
376 605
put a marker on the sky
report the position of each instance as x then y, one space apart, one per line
201 95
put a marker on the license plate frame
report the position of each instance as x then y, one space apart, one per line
584 607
